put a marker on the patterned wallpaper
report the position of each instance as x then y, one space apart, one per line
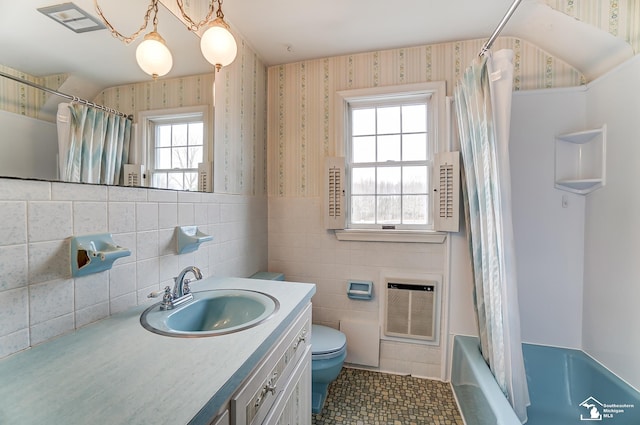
620 18
301 96
25 100
301 129
241 125
162 94
240 115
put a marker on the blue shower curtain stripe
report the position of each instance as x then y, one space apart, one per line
98 146
74 156
93 147
107 159
113 144
122 133
484 146
123 156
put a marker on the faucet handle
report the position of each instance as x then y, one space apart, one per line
156 294
167 299
185 287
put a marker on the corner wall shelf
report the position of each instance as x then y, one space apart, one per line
580 160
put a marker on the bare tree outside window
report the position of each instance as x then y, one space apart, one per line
179 148
390 163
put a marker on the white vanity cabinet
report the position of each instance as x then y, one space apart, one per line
294 407
257 376
279 390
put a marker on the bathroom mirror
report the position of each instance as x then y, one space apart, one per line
90 65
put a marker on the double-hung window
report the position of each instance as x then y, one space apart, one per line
389 163
390 141
176 146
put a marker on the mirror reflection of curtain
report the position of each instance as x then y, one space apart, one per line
93 144
483 106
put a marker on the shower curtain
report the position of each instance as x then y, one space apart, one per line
483 106
93 145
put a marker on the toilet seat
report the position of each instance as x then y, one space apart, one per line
327 342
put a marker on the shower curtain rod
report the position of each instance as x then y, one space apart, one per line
66 96
499 28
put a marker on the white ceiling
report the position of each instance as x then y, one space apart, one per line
336 27
284 31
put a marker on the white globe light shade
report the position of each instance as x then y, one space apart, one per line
153 55
218 45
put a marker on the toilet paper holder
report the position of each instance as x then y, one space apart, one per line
360 290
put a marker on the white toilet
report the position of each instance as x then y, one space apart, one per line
328 351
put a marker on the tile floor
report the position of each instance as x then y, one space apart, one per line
360 397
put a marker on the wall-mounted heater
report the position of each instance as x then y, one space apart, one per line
412 310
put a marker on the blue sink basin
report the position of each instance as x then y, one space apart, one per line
211 313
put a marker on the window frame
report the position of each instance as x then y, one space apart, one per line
149 119
435 92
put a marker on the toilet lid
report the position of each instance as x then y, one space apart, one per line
326 340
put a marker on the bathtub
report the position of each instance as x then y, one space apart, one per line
565 386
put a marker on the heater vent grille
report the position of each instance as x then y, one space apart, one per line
411 310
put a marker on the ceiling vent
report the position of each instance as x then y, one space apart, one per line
72 17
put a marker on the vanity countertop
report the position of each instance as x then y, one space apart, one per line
116 372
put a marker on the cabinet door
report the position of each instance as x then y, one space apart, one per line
294 405
256 398
222 419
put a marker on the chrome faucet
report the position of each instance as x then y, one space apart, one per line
181 291
181 287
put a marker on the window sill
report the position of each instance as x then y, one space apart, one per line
413 236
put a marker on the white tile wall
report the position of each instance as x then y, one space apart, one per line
13 225
89 218
39 299
48 220
13 264
303 250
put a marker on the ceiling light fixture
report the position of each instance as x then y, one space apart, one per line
217 43
154 57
